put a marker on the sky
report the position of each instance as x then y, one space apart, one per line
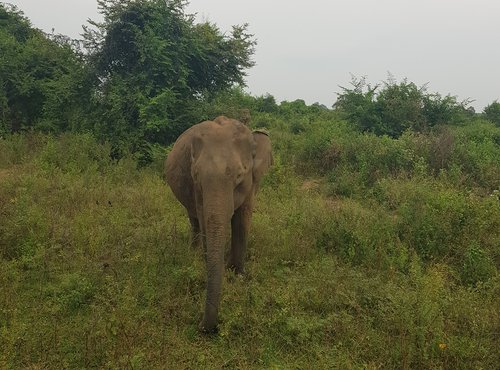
308 49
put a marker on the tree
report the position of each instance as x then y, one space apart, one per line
492 112
40 78
154 67
266 103
357 104
400 107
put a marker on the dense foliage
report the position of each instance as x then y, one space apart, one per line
154 67
398 107
147 72
41 80
492 112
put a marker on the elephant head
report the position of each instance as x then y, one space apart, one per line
214 170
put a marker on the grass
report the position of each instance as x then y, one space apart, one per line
96 269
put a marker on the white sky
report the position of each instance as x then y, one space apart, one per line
306 49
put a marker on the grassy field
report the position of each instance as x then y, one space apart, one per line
365 252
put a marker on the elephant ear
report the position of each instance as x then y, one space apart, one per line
263 158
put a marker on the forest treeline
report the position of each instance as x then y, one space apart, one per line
148 71
144 74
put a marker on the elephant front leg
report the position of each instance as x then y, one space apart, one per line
240 226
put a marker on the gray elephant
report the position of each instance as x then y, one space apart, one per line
214 170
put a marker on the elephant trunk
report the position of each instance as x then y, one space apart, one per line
217 215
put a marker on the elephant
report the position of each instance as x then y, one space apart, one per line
214 170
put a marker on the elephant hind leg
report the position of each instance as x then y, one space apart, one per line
240 226
196 237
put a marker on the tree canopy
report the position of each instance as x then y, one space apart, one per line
41 79
492 112
142 75
153 66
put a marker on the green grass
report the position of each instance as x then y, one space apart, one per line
96 269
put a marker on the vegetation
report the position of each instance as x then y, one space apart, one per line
142 76
374 242
383 262
398 107
492 112
41 80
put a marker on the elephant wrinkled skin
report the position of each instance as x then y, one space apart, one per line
214 170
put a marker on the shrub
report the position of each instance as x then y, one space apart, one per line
492 112
433 222
72 153
366 236
477 152
397 107
478 266
17 149
320 147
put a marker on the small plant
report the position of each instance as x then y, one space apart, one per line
477 266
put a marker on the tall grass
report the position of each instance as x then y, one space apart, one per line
397 270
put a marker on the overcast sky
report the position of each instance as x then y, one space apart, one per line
306 49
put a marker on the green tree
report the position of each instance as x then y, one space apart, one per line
357 104
492 112
266 104
154 68
400 107
41 77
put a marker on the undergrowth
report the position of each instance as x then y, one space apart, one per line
389 259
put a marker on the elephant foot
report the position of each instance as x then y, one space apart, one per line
236 275
208 328
237 268
238 272
208 324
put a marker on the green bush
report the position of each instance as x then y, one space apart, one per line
478 266
320 146
477 152
17 149
398 107
73 153
492 112
465 157
440 223
433 224
366 236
